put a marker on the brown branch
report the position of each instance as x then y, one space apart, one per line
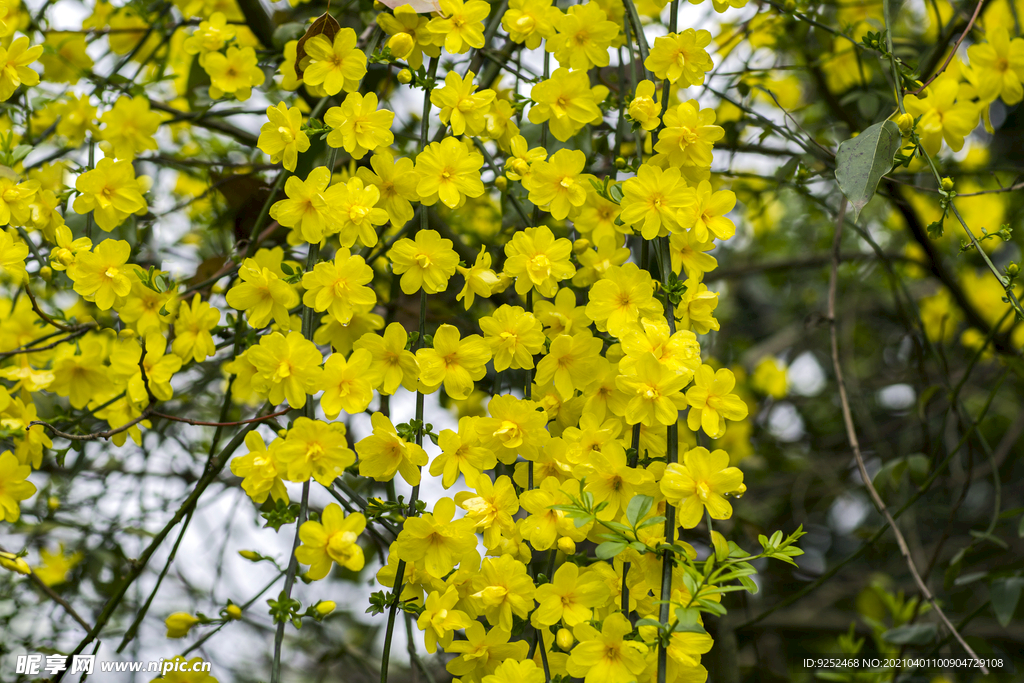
95 436
48 319
851 434
952 53
53 596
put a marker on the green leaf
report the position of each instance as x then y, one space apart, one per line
609 549
638 508
862 161
911 634
749 584
688 621
1005 596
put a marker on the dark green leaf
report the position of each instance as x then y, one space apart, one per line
1005 596
862 161
911 634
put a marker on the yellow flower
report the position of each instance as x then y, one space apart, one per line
355 206
530 21
435 540
570 363
583 38
502 588
358 126
439 619
112 192
537 260
282 136
942 115
455 362
643 108
346 387
337 65
68 60
235 73
519 163
461 452
333 539
14 71
56 566
569 597
130 127
395 181
655 393
179 624
316 449
427 262
13 486
516 427
12 257
770 378
655 199
689 135
701 481
262 295
259 471
209 37
562 316
567 102
481 653
999 66
707 214
688 254
460 24
696 308
306 207
392 364
128 363
605 656
101 275
620 299
15 200
480 279
681 56
514 335
339 286
559 184
77 117
384 453
406 21
192 338
287 368
450 171
460 107
711 401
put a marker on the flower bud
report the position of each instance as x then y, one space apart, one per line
14 563
53 502
620 163
250 555
404 76
233 612
179 624
401 45
46 272
580 246
905 122
566 545
947 184
501 182
564 639
325 607
1013 270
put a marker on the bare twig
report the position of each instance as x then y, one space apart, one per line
851 434
952 53
53 596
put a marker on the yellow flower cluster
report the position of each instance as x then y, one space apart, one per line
583 391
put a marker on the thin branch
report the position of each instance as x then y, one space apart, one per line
851 434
